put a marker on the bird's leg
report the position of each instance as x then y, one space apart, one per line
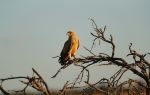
74 57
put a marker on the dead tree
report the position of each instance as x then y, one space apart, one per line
35 81
140 66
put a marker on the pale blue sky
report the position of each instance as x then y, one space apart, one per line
33 31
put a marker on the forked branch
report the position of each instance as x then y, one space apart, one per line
36 81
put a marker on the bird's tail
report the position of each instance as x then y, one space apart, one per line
62 60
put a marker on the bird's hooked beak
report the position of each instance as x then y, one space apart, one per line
68 34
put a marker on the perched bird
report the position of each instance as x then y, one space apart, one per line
70 48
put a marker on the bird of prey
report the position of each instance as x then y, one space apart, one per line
70 48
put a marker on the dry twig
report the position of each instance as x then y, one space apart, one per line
36 82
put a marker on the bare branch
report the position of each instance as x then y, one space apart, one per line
41 88
36 82
63 67
63 91
4 91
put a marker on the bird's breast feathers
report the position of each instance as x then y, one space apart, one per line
74 46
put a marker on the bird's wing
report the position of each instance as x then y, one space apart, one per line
65 51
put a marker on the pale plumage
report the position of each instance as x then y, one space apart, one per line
70 48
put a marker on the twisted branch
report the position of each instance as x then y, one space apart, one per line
35 81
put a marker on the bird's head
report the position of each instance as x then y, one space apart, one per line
70 33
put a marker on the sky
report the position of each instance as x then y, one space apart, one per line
34 31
